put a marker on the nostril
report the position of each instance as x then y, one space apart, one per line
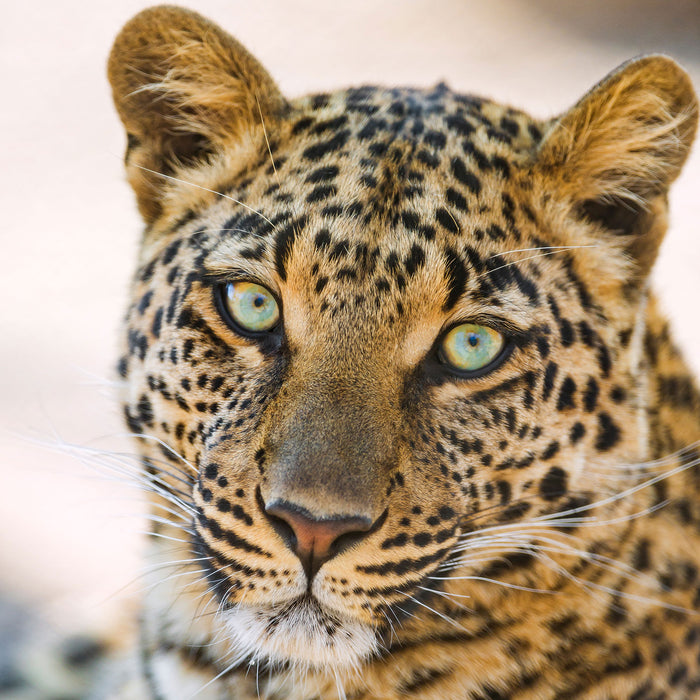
315 540
279 525
348 539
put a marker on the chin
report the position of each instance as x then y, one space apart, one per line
298 635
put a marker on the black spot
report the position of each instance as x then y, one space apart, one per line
551 450
618 394
501 165
496 233
604 361
302 124
144 410
515 511
144 302
507 563
617 612
677 391
567 332
465 176
428 158
146 272
482 162
459 124
420 680
382 285
335 143
548 383
586 333
534 131
566 394
283 247
590 395
321 193
641 559
323 239
157 322
138 343
327 172
171 251
447 220
554 484
504 490
474 259
510 126
421 539
577 432
435 139
456 277
223 505
330 124
608 433
415 259
340 250
370 129
456 199
526 285
446 513
410 220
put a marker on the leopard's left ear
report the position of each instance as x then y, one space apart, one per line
613 155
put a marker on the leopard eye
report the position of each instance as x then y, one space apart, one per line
470 347
251 306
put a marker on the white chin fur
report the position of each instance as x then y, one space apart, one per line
299 633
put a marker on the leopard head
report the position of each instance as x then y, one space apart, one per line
379 340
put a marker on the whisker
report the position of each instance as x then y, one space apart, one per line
160 535
163 444
427 607
206 189
516 262
267 141
553 248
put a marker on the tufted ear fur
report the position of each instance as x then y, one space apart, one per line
183 88
612 157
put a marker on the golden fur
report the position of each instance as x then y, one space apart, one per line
526 532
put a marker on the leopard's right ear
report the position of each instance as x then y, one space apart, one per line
184 89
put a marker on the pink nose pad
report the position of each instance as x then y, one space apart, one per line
315 541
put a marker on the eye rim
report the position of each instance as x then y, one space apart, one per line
503 354
224 312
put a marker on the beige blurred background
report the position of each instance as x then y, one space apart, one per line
69 534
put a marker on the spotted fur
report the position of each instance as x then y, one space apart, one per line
527 532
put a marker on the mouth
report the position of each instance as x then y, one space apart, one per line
300 632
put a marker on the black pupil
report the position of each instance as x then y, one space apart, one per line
473 339
259 301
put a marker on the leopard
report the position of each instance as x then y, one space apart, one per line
410 420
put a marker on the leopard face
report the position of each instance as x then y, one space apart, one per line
385 349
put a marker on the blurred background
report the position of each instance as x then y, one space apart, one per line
69 531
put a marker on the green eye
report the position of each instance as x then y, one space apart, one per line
251 306
470 347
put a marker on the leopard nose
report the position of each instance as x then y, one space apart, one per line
314 540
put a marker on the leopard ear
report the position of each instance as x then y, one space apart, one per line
613 155
183 88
